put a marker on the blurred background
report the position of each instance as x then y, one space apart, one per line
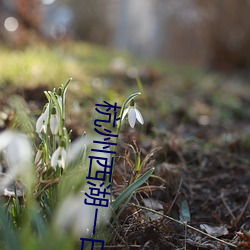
193 60
211 34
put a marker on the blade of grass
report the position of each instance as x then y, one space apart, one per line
122 209
128 191
10 236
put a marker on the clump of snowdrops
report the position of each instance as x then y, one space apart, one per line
43 175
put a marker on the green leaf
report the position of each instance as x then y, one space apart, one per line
185 212
65 87
122 208
138 163
11 237
39 222
128 191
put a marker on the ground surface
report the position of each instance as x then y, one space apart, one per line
198 124
203 160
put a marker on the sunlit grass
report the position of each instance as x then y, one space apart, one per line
94 79
41 64
37 65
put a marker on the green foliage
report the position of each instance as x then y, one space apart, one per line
48 65
132 188
34 64
52 203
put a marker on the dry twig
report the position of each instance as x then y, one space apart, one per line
184 224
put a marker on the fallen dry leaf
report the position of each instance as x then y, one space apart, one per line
245 236
214 230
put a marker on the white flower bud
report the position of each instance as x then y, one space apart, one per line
54 122
42 121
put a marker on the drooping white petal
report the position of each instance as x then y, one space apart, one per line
54 124
139 116
74 216
19 151
55 156
39 123
132 117
133 114
63 159
59 99
5 139
59 157
61 163
44 127
124 113
78 148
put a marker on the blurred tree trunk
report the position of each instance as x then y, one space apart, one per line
212 33
92 20
229 34
28 14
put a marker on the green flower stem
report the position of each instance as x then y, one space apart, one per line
65 87
127 100
47 137
118 128
53 97
61 111
46 149
66 138
53 142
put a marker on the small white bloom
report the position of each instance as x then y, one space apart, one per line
74 216
133 114
42 122
78 148
54 121
59 157
17 152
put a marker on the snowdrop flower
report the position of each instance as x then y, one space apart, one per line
42 122
59 157
78 148
133 114
17 152
54 121
74 216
